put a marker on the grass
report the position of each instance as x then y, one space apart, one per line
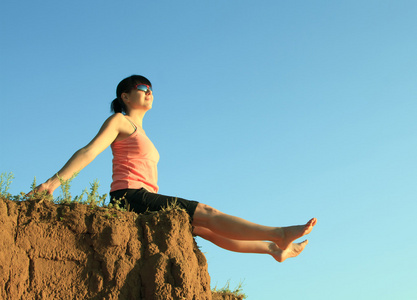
227 291
92 197
118 204
5 181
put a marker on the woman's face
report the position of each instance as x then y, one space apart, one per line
137 98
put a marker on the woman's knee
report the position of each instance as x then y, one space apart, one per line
207 210
203 214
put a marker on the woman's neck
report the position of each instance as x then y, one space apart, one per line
137 117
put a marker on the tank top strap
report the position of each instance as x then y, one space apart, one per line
133 124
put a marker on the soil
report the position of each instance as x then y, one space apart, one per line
75 251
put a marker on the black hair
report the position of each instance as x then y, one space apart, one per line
125 86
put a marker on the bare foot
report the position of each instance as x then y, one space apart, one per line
292 251
291 233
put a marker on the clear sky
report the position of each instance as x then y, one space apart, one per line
275 111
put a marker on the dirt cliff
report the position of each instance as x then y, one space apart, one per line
75 251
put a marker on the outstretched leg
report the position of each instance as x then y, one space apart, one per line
251 246
235 228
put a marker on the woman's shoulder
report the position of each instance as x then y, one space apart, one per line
115 119
114 122
120 123
116 116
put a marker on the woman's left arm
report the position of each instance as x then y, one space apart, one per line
81 158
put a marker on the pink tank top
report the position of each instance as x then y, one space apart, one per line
135 162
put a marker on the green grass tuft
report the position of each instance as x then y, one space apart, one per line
5 181
93 197
238 291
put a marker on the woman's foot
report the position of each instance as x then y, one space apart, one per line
292 251
291 233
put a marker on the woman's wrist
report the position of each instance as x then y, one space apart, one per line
53 183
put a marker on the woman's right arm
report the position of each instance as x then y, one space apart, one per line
81 158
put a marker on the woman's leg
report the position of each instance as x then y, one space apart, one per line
235 228
251 246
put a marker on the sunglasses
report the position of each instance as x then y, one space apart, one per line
143 87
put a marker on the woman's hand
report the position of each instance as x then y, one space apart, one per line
45 187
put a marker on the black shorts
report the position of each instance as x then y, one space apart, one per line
141 200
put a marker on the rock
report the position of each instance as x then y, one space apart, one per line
75 251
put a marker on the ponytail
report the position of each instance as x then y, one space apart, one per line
118 106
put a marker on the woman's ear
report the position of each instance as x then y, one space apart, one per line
124 97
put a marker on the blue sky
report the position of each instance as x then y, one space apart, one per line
273 111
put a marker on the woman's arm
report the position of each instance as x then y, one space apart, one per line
81 158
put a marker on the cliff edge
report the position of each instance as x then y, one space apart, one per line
75 251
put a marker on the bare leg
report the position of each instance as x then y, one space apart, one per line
239 229
251 246
230 244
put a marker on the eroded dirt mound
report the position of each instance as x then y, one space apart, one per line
50 251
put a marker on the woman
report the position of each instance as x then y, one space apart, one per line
135 177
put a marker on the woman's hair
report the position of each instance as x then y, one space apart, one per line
125 86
